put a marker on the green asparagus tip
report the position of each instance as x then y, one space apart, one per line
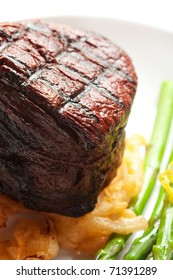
112 248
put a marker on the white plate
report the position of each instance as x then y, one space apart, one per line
152 53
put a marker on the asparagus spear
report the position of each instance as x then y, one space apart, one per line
113 247
156 146
163 250
143 245
171 258
152 164
164 245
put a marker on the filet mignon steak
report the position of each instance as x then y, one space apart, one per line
65 97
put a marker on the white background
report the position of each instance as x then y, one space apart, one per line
157 13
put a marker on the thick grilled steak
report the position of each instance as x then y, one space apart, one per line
65 97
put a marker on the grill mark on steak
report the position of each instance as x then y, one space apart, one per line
103 57
66 99
95 98
78 92
4 45
12 31
72 74
74 99
89 114
36 74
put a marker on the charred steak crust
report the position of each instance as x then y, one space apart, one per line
65 97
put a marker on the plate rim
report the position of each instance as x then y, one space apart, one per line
113 19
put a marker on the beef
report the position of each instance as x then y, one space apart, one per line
65 98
